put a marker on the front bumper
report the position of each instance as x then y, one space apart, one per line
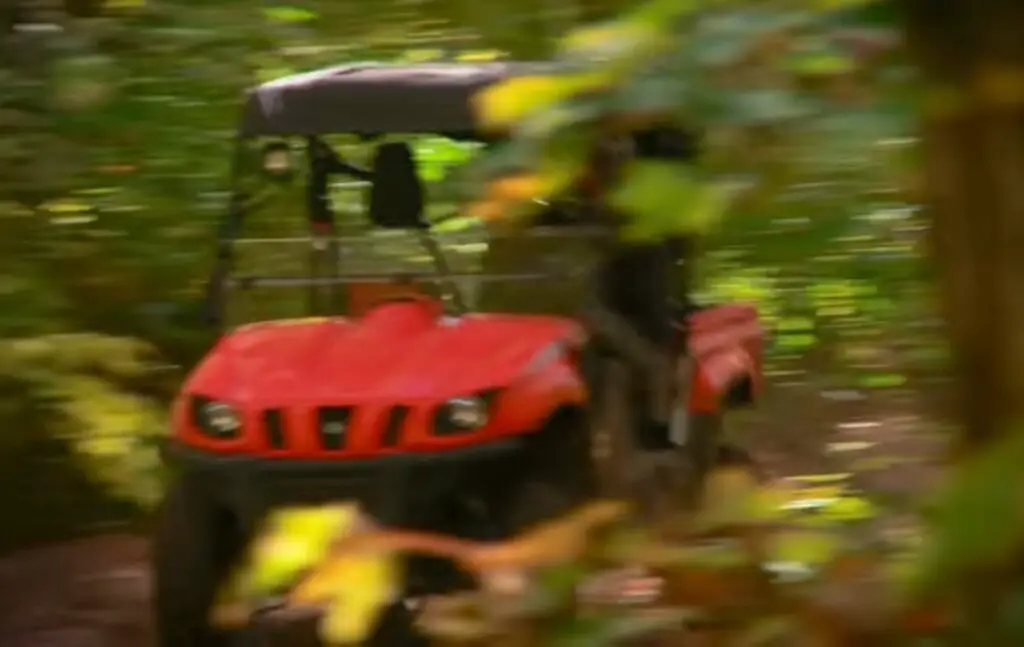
391 488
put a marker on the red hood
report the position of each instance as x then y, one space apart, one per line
399 351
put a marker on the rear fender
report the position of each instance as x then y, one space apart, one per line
725 356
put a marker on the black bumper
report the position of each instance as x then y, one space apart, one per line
389 487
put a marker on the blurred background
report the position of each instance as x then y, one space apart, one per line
116 119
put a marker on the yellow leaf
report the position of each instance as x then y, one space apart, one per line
360 586
821 478
614 42
807 547
291 541
476 56
851 508
506 194
554 542
517 188
502 105
276 560
731 497
485 210
422 55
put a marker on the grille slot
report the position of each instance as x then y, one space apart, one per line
332 426
392 435
273 427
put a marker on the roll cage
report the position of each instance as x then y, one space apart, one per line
373 101
370 101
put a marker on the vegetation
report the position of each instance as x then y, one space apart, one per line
112 163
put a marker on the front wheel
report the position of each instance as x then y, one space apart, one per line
195 545
557 472
704 450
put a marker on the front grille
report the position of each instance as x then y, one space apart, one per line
273 427
392 435
332 426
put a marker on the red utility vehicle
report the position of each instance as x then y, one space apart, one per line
394 393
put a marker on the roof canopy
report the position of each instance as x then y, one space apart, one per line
372 99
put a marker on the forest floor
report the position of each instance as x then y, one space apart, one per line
95 592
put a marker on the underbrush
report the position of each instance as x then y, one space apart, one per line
761 565
82 414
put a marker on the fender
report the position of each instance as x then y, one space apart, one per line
550 382
725 349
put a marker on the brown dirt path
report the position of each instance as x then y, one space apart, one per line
91 592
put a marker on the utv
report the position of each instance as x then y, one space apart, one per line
390 390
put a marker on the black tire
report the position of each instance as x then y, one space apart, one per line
195 544
558 472
701 448
705 451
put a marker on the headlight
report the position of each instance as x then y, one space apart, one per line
462 414
467 413
218 419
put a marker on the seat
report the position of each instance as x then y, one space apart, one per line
396 194
396 199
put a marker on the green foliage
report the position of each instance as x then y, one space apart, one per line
967 535
740 73
82 415
597 577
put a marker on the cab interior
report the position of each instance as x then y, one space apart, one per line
322 235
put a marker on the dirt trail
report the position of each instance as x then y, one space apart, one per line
91 592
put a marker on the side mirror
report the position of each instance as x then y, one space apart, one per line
278 161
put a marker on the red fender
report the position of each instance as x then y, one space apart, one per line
725 347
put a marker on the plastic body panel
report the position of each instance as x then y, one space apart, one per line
726 348
403 353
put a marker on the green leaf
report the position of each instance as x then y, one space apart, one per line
882 381
289 14
554 588
563 158
977 520
820 60
659 91
811 548
658 197
766 106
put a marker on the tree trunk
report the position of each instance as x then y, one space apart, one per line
972 55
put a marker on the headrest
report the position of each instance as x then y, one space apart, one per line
396 196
